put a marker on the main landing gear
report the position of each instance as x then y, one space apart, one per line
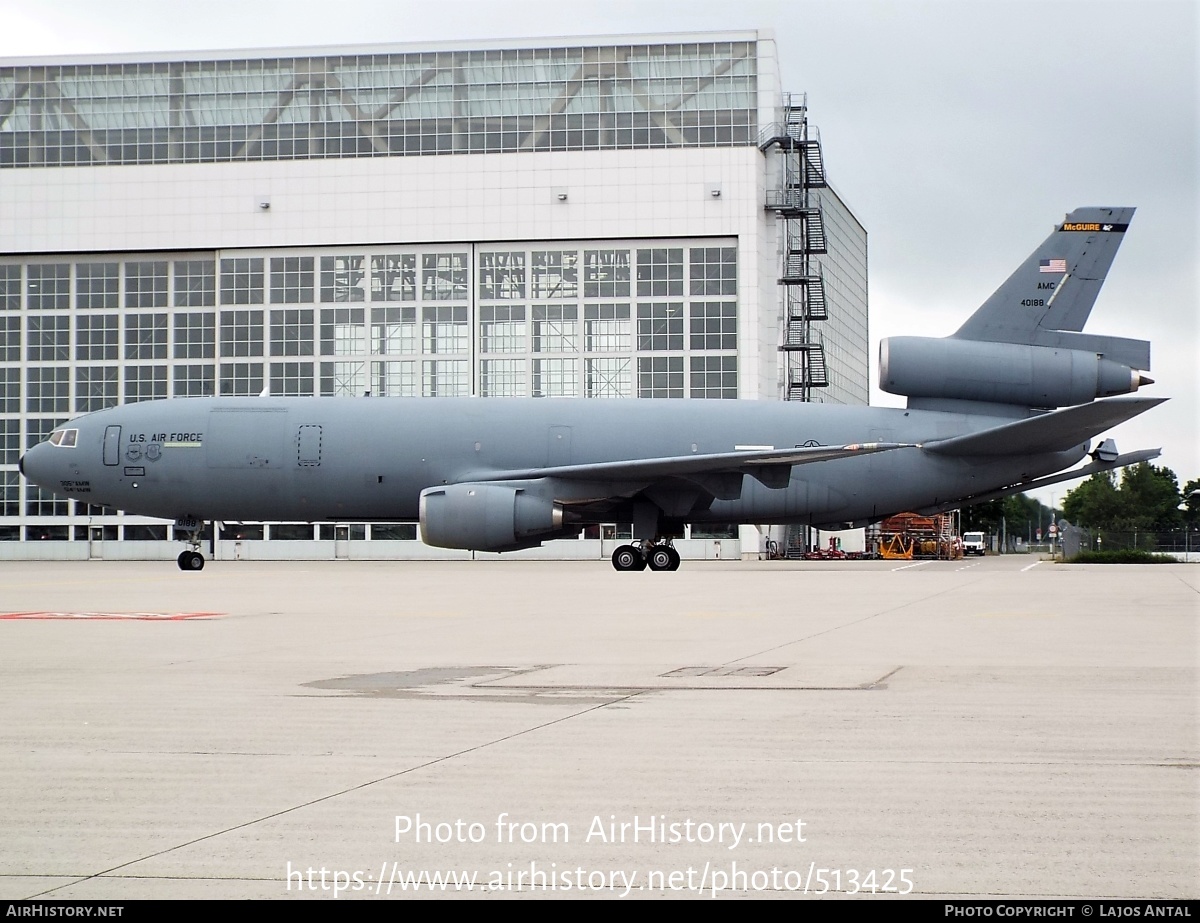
642 554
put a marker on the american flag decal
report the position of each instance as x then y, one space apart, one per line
1052 266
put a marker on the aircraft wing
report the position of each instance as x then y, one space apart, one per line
1049 432
764 464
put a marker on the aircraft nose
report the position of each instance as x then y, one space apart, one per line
34 465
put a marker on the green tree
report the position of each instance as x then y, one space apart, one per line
1096 503
1147 500
1191 496
1150 498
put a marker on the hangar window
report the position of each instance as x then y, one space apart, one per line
291 532
195 335
48 338
713 270
146 284
554 328
394 531
47 390
145 336
342 278
145 533
96 285
660 272
714 377
501 275
96 337
343 331
555 274
607 378
241 333
393 331
445 330
10 339
292 332
241 378
555 378
607 328
444 277
660 327
394 379
10 442
342 379
292 379
502 329
10 288
291 279
242 281
660 376
606 273
445 378
195 283
10 390
502 378
393 277
95 387
48 286
40 502
194 381
145 383
9 504
714 325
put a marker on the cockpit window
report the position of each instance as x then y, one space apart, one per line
64 438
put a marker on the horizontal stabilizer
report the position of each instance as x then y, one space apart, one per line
1050 432
651 469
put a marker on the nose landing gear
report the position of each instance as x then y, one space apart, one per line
191 559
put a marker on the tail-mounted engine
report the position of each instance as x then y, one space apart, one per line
1005 373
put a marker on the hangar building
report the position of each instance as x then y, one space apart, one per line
598 217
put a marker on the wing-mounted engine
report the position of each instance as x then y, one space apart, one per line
1002 373
488 517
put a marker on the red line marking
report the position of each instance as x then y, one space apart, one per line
113 616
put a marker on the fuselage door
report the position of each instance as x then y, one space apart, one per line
112 445
308 446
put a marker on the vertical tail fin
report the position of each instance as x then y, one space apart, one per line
1051 294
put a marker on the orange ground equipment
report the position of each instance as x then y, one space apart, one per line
906 536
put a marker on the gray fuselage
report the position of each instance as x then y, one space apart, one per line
353 459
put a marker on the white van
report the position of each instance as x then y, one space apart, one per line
973 543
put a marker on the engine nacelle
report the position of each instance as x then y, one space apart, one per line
1004 373
487 517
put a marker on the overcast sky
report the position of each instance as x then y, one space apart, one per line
959 131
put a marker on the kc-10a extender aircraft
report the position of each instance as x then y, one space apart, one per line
500 474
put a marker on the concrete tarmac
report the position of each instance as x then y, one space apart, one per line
982 729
